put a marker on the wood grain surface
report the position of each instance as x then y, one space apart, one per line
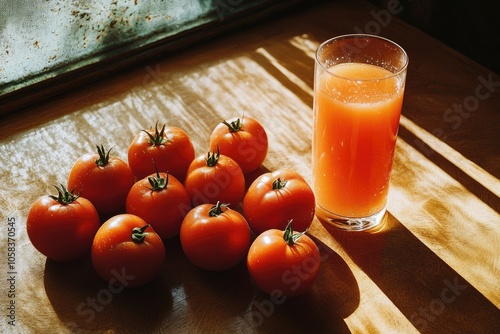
432 267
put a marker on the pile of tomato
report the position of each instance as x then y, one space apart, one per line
164 191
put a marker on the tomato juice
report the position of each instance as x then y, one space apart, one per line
356 108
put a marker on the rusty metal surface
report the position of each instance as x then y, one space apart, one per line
40 39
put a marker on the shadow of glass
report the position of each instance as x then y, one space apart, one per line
84 302
432 296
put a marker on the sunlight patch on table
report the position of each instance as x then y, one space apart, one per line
434 206
380 316
241 86
290 75
467 166
305 43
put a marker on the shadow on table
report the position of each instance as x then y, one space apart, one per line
432 296
228 301
333 297
205 301
85 303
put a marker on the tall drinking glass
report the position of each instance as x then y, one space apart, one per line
359 83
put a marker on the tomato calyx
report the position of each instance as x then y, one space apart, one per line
157 182
279 184
157 138
64 196
103 156
213 157
289 236
217 209
138 234
234 126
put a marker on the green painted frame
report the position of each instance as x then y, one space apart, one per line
105 36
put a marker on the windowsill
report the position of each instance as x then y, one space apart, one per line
73 74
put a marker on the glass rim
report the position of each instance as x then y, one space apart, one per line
352 36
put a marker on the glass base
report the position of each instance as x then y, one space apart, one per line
349 223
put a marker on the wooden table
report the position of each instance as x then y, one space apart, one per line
433 267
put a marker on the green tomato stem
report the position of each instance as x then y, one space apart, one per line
213 158
278 184
138 234
158 137
289 236
103 156
157 182
217 209
64 196
234 126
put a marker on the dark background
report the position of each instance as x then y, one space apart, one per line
470 27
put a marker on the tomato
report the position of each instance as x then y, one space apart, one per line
170 148
161 201
127 252
283 262
215 237
276 197
62 228
215 178
244 140
102 179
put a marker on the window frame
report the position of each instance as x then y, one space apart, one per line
112 61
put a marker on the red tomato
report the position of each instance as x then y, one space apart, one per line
215 237
103 180
283 263
245 141
170 148
215 178
62 228
161 201
277 197
127 252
